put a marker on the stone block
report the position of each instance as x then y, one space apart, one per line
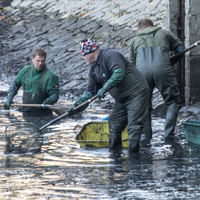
194 25
195 72
15 3
16 43
18 29
26 52
42 43
195 7
74 59
25 4
58 57
39 4
194 38
194 95
89 27
67 23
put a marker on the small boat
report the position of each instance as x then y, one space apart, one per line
97 134
192 131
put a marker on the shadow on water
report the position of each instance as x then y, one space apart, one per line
63 170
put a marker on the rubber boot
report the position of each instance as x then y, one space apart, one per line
171 119
115 141
133 145
147 130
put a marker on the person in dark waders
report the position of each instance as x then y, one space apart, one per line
111 72
40 84
149 52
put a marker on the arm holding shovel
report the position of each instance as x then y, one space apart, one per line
180 52
85 96
116 78
177 46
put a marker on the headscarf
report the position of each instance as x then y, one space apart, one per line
87 46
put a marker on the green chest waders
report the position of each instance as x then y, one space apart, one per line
34 98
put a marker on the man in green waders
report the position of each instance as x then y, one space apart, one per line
40 85
111 72
149 52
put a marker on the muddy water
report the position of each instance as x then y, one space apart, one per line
63 170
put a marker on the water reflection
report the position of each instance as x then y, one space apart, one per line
63 170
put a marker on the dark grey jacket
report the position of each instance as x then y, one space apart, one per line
109 59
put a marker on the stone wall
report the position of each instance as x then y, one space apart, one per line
175 19
59 25
192 58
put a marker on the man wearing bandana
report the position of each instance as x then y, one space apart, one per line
111 72
40 85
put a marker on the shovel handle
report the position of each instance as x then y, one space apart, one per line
23 105
67 113
86 102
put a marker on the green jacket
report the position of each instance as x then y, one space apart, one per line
152 45
50 84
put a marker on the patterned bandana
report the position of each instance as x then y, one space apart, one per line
87 46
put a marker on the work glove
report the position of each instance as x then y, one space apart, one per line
85 96
12 91
43 107
114 80
101 93
53 98
174 59
71 111
7 104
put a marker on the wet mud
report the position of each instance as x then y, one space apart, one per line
63 170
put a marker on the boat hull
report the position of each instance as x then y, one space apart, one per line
97 134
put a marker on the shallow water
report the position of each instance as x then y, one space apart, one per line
63 170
